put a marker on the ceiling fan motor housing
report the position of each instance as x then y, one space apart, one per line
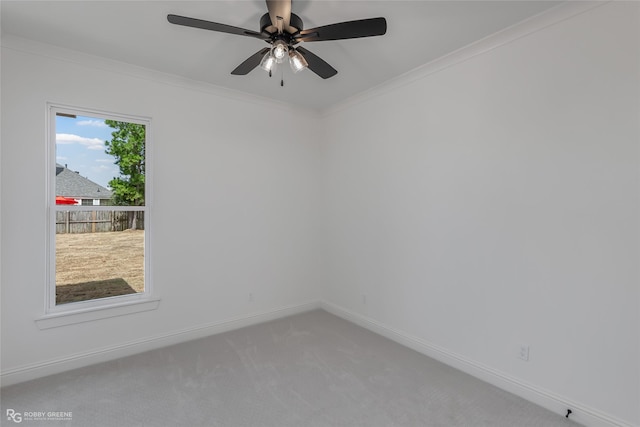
266 26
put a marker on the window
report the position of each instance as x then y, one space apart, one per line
99 213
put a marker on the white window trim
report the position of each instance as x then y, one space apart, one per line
84 311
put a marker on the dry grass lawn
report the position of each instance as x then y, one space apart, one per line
99 265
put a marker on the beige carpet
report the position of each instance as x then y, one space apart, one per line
312 369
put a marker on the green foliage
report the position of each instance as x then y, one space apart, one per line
128 147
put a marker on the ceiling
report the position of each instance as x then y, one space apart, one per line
137 32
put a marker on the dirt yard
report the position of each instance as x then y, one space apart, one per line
99 265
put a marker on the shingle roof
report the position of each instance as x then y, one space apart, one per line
72 184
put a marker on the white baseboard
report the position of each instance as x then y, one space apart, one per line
580 413
30 372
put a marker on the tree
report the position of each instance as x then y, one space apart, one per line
128 147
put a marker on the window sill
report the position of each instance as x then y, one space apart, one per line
55 320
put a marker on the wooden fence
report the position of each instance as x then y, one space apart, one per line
96 221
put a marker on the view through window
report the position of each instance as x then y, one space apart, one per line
98 207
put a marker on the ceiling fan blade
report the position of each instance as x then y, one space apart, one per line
213 26
344 30
317 64
250 63
279 9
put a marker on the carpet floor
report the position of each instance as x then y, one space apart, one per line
311 369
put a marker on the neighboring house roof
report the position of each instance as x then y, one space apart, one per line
72 184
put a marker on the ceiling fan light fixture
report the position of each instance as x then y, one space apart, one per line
268 62
279 51
282 30
297 61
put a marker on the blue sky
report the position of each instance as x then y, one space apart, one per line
80 145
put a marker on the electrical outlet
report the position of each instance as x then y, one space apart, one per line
250 296
364 299
523 352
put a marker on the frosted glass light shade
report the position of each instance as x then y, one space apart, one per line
297 61
279 51
268 62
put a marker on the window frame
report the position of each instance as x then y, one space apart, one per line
82 311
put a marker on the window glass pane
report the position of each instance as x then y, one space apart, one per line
94 262
99 253
99 161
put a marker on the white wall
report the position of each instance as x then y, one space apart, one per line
234 202
492 203
496 202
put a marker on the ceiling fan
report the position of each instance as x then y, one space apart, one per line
283 30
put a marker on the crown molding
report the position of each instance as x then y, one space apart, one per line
550 17
28 46
547 18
